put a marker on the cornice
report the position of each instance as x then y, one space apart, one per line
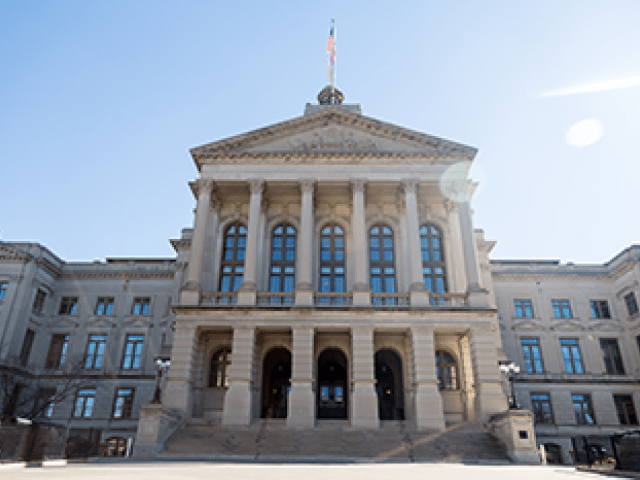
8 252
97 274
180 244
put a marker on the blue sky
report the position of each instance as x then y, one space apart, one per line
100 102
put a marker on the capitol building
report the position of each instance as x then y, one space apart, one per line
333 272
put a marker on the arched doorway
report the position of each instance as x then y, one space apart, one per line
276 383
389 387
332 384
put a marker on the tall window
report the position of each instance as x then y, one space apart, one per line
38 301
283 262
233 254
523 308
95 351
447 371
531 354
27 343
44 402
332 263
583 409
383 271
132 357
104 306
68 306
600 309
625 409
123 403
433 268
561 308
57 351
3 290
612 359
141 306
631 303
541 405
84 403
571 355
220 364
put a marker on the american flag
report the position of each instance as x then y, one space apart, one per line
330 42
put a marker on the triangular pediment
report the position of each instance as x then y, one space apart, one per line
63 322
137 322
529 324
332 131
566 326
607 326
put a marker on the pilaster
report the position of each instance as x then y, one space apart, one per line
237 400
419 295
364 401
361 290
248 289
301 402
304 286
429 412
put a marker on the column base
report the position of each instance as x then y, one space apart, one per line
237 404
304 298
364 406
477 296
246 297
419 298
361 298
301 405
428 404
189 296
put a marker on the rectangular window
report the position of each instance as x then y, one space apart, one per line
524 308
600 309
57 351
612 359
571 355
141 306
626 410
583 409
561 308
541 405
44 402
38 301
632 303
133 352
95 351
123 403
531 354
68 306
27 343
84 403
3 290
104 306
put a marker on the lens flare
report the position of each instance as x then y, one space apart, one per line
455 183
584 133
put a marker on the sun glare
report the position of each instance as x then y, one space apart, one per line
613 84
584 133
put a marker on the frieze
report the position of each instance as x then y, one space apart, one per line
332 139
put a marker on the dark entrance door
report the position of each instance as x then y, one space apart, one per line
276 383
332 384
389 386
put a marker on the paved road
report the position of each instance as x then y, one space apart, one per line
222 471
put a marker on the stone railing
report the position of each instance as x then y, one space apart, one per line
448 299
332 299
208 299
275 299
390 299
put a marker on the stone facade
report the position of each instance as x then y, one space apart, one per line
328 266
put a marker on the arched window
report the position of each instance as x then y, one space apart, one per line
382 265
232 265
220 364
447 371
283 262
433 268
332 263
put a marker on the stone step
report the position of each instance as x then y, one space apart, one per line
336 439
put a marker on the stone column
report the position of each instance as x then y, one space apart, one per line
419 295
490 397
179 387
190 294
361 291
429 412
248 289
301 402
477 294
237 400
304 255
364 401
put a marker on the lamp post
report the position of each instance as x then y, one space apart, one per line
162 364
510 369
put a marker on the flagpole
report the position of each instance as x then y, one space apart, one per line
333 63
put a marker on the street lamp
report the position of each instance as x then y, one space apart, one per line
162 363
510 369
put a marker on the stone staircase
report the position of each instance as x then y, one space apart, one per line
334 440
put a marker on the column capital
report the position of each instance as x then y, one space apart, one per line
358 184
256 185
410 185
307 185
202 186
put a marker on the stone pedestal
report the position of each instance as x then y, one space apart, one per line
490 398
178 390
419 297
362 298
190 297
156 424
304 298
246 297
515 429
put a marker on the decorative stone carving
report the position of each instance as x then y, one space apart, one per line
332 139
358 185
307 186
256 185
